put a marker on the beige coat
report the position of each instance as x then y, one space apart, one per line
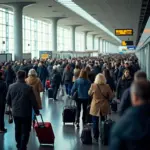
100 99
37 88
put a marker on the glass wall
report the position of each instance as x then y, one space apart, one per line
79 41
96 44
89 42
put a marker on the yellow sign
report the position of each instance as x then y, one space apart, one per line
124 32
124 43
44 56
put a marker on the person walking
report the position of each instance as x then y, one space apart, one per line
132 131
81 86
42 73
101 93
67 79
21 99
36 84
3 91
123 84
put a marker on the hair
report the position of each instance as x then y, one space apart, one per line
100 79
140 75
77 67
1 74
106 73
141 89
32 73
68 68
88 69
21 75
83 74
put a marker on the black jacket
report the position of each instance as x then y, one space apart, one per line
132 131
122 86
21 98
125 101
67 77
10 76
56 78
3 91
111 83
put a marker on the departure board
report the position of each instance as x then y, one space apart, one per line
123 32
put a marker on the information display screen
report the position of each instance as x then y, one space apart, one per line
123 32
127 43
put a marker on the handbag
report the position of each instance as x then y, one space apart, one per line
10 118
75 95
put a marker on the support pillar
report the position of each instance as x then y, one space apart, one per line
54 33
93 40
18 40
85 40
73 36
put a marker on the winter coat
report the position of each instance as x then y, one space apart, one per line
10 76
91 76
67 77
125 101
3 92
101 94
22 99
122 85
55 78
42 72
37 88
24 68
111 83
132 131
82 86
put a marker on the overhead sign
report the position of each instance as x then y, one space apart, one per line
45 54
131 47
127 43
123 32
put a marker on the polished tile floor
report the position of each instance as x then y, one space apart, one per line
66 137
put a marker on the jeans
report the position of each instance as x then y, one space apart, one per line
2 112
43 83
84 103
68 87
55 90
22 131
95 121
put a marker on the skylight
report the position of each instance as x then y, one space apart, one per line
78 10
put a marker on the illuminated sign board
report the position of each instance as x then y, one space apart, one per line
123 32
127 43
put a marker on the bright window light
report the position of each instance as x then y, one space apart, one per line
78 10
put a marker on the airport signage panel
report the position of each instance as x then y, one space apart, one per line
123 32
127 43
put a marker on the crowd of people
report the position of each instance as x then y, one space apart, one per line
95 80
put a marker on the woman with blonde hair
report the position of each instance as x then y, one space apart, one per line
101 94
81 86
36 84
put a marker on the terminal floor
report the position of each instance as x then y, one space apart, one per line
66 137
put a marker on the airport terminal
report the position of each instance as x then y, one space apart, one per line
74 75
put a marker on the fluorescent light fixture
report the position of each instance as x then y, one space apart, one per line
78 10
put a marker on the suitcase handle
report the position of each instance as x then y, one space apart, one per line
43 125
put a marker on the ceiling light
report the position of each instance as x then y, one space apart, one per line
78 10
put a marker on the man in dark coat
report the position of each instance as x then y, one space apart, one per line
126 97
21 99
42 73
55 81
3 91
132 131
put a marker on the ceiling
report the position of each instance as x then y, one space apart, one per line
111 13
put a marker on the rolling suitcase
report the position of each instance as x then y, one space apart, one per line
44 132
69 114
86 136
48 84
50 93
105 129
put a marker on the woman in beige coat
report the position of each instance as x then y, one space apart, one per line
35 82
100 108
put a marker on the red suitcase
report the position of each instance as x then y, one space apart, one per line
44 132
48 84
